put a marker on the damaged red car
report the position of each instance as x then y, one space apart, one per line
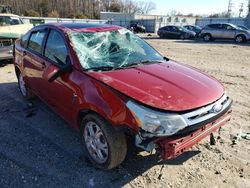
110 84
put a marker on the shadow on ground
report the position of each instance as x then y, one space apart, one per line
38 149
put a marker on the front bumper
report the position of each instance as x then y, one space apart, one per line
6 52
172 147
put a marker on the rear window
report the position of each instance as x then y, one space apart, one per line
36 40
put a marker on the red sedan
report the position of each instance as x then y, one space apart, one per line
110 84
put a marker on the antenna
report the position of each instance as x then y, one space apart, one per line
229 10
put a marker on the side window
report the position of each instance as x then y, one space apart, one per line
165 28
4 20
56 48
170 28
227 27
175 29
36 40
215 26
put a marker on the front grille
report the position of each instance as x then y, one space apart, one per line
6 42
207 112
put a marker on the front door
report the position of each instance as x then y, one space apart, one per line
229 31
58 94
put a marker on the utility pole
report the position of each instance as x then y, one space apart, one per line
249 7
229 10
241 8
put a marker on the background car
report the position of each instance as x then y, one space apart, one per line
243 27
194 28
137 28
11 28
175 32
224 31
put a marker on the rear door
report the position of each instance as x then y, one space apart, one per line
176 33
215 30
33 62
168 31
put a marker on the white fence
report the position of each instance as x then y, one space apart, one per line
42 20
204 21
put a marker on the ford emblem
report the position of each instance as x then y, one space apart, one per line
216 108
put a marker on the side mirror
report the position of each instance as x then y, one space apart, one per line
64 69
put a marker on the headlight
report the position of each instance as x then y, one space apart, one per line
155 122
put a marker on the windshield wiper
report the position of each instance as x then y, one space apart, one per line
101 68
133 65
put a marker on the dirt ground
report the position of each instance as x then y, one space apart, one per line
38 149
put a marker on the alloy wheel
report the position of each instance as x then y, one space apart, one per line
96 142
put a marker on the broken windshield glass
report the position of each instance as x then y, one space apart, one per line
117 48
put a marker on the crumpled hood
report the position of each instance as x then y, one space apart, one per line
168 86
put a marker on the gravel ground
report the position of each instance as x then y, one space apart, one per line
38 149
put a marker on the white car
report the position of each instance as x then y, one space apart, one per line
11 28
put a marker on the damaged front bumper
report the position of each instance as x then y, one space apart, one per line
172 146
6 48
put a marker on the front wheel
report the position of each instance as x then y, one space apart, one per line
207 37
105 146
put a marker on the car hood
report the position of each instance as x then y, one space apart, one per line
14 31
167 86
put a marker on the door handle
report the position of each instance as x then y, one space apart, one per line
43 65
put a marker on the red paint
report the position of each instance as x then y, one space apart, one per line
166 86
175 146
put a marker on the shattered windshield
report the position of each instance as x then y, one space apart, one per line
115 49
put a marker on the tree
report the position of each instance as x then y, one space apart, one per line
53 14
146 7
219 15
31 13
115 6
44 8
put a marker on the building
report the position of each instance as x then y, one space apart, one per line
151 22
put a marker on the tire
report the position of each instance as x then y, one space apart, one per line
104 146
25 91
182 37
240 39
207 37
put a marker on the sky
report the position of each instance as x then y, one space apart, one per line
202 7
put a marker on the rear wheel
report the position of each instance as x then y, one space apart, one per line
240 39
207 37
25 91
105 146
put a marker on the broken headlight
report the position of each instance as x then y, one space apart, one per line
155 122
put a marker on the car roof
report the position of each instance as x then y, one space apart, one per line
7 14
89 27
